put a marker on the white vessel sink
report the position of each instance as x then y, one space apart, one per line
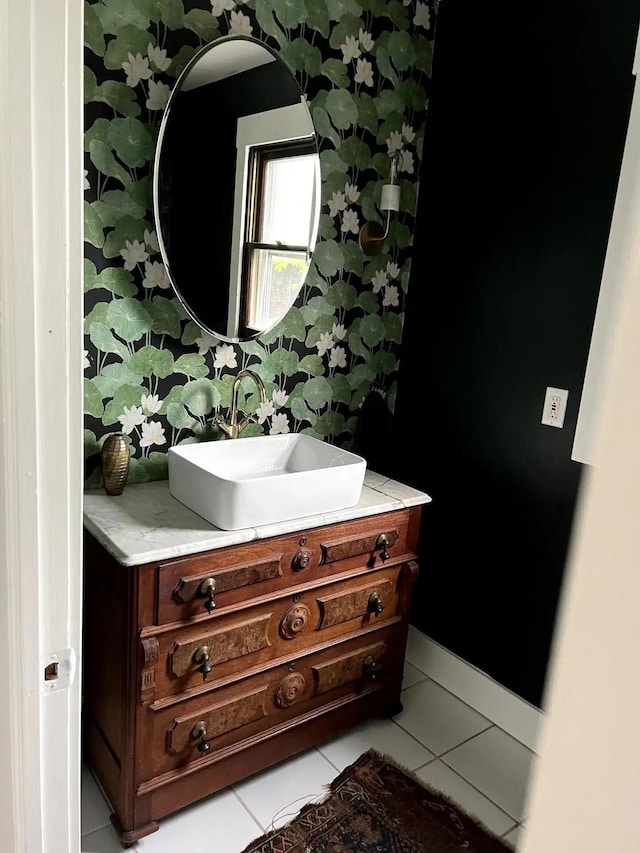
247 482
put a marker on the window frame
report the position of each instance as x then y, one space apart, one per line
259 158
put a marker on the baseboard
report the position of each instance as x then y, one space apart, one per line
510 712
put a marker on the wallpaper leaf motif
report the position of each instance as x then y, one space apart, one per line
150 371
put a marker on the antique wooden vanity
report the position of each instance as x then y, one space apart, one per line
210 655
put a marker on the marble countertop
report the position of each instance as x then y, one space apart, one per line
145 523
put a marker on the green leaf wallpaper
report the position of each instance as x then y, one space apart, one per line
150 372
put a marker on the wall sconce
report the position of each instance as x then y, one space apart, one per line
372 235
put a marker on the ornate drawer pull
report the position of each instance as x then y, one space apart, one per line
383 542
199 733
208 587
356 603
184 588
223 644
301 560
202 656
219 718
374 605
346 549
356 666
370 668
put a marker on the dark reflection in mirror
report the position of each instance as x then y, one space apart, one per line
236 189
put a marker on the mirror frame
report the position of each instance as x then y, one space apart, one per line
177 88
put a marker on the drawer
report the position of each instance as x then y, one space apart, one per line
206 727
188 588
199 657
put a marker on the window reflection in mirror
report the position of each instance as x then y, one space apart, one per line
236 188
280 194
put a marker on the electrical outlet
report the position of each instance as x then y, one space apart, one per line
555 406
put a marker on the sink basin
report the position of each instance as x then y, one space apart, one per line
247 482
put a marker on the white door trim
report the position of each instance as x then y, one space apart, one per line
585 439
41 115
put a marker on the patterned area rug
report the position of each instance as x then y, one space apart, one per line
375 806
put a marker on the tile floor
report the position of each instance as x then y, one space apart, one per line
446 742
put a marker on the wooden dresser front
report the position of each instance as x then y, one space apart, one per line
201 670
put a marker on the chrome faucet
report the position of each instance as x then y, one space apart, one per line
232 428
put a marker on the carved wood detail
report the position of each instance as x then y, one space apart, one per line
342 549
244 704
224 644
294 621
232 577
346 668
301 559
150 648
342 606
219 719
290 690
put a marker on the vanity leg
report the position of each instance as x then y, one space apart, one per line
394 709
128 837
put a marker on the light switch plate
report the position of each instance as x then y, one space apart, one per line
555 406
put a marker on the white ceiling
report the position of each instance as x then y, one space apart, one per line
224 60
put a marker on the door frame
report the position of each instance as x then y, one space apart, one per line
41 456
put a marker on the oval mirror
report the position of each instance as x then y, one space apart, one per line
236 188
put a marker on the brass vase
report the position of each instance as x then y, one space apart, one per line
115 463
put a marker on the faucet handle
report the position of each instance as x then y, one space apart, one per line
218 421
248 419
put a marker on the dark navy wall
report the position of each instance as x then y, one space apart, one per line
524 140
